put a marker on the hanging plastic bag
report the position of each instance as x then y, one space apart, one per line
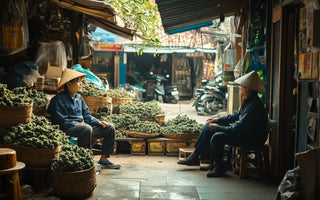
53 54
91 77
14 35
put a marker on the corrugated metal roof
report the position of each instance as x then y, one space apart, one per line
177 14
98 13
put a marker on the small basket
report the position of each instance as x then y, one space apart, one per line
11 116
39 110
94 103
182 136
74 185
139 135
116 101
35 157
158 119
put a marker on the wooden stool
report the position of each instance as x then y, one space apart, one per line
11 181
259 164
185 152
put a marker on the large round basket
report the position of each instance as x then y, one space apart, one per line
39 110
116 101
94 103
182 136
11 116
158 119
35 157
74 185
139 135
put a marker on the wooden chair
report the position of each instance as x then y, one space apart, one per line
259 160
10 168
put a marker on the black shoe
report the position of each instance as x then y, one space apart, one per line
206 168
191 160
216 172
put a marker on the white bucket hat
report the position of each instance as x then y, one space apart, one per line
68 75
252 81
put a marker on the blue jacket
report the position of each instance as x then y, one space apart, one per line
249 123
67 111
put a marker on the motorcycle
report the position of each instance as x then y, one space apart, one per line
211 97
167 94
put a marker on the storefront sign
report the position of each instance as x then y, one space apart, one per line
100 46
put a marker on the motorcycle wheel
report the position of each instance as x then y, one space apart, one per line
172 99
197 106
207 109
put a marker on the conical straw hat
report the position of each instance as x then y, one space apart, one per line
68 75
252 81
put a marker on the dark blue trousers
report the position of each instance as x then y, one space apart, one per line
85 134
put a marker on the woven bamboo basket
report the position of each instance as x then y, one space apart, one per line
35 157
39 110
116 101
11 116
182 136
74 185
139 135
94 103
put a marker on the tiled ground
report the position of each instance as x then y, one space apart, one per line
159 177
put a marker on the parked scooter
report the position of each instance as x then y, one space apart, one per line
167 94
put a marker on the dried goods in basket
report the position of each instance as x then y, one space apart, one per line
35 157
14 115
94 103
77 184
182 136
140 135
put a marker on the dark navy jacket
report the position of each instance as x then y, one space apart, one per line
249 123
67 111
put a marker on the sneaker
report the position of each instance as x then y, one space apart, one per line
189 162
108 164
207 168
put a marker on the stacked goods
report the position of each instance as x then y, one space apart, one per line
14 109
73 172
94 96
39 99
119 96
36 143
144 111
132 126
181 127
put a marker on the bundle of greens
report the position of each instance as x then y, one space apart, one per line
118 93
72 158
122 121
141 109
120 134
90 89
40 133
145 127
181 124
39 98
8 98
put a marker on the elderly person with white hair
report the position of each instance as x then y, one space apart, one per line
247 127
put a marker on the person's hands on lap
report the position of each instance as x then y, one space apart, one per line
211 120
104 124
213 126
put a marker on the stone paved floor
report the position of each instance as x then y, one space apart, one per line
159 177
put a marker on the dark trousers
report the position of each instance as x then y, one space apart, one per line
214 142
85 134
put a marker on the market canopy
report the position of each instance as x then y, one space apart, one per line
98 13
184 15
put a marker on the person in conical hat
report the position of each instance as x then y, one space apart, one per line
246 127
70 112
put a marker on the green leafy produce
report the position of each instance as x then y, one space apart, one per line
90 89
122 121
40 133
141 109
118 93
39 98
181 124
8 98
145 127
72 158
120 134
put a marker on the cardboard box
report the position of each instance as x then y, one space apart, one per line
157 146
51 83
138 147
54 71
172 146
